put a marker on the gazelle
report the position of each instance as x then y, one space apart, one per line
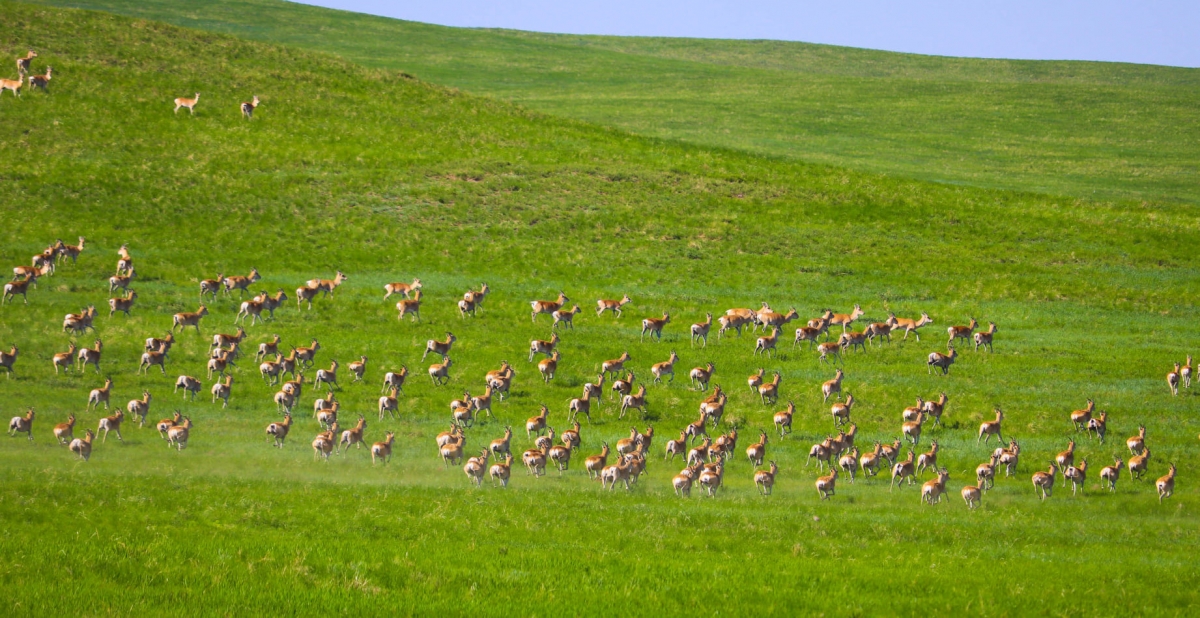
962 332
178 435
408 306
614 306
219 364
542 346
64 432
1137 443
700 330
306 355
1077 475
712 479
985 473
120 282
535 425
139 408
682 482
766 344
1185 372
783 419
501 471
358 368
701 376
502 446
731 322
581 405
698 428
186 319
354 435
1172 377
881 330
654 326
826 484
403 289
1111 474
664 368
1043 482
928 459
327 376
307 295
561 456
891 451
931 491
12 84
83 446
388 404
383 451
1098 426
278 431
912 412
1138 464
1165 484
676 447
1009 457
610 475
269 348
985 338
989 428
820 452
466 307
596 464
769 392
844 320
65 360
190 386
325 443
615 366
100 395
841 410
190 104
41 81
270 370
832 386
853 340
848 462
755 380
111 423
535 461
870 461
941 361
79 322
903 470
23 424
240 283
327 286
248 107
210 287
222 391
548 366
547 306
13 288
565 317
154 344
124 305
252 309
1066 459
776 320
23 62
476 298
439 373
634 401
758 451
167 423
714 406
394 380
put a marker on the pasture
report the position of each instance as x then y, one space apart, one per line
387 178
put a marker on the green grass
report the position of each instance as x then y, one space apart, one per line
387 178
1093 130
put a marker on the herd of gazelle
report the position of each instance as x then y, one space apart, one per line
706 462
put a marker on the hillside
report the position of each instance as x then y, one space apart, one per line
1095 130
387 178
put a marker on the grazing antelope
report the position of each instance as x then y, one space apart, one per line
1137 443
178 435
756 379
903 470
1099 426
1009 457
711 479
24 424
24 62
941 361
167 423
222 391
870 461
985 473
248 107
654 326
1044 482
769 392
83 446
219 364
189 385
758 451
542 346
278 431
12 84
1066 459
65 360
327 286
1138 464
565 317
844 320
1185 372
634 401
1165 484
783 420
403 289
139 408
853 340
354 435
190 104
581 405
910 326
665 368
383 450
407 306
548 366
841 411
766 344
239 283
1111 474
825 484
832 386
989 428
186 319
111 423
985 338
535 425
701 376
614 306
328 376
547 306
13 288
615 366
121 282
100 395
1172 377
931 491
1077 476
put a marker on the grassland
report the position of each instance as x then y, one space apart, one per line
1093 130
386 178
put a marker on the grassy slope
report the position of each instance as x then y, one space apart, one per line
387 178
1096 130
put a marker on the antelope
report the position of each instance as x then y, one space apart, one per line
1172 377
535 461
211 286
565 317
388 404
535 425
1044 482
825 484
446 437
1185 372
324 443
756 379
13 288
891 451
596 464
1137 443
1111 474
239 283
783 419
698 453
1066 459
989 428
222 391
634 401
769 392
811 333
186 319
561 456
500 471
279 431
79 322
270 370
66 360
154 344
403 289
327 286
476 298
928 459
122 304
985 473
1009 457
731 322
547 306
24 424
581 405
758 451
23 63
122 282
168 423
849 462
1077 476
724 446
252 309
694 430
111 423
248 107
33 272
614 306
881 330
844 320
177 435
12 84
820 452
475 468
853 340
271 303
358 368
408 306
776 320
912 412
502 446
306 355
654 326
676 447
41 81
548 366
931 491
1138 463
714 406
466 308
541 346
190 104
934 409
941 361
962 332
985 338
870 462
383 450
83 446
354 435
327 376
712 479
1165 484
665 368
833 386
306 295
910 326
394 380
619 472
284 401
219 364
700 331
903 470
1099 426
841 411
100 395
682 482
139 408
189 385
702 375
324 403
615 366
766 344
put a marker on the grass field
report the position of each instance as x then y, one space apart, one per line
387 178
1093 130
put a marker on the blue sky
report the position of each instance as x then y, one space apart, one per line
1145 31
